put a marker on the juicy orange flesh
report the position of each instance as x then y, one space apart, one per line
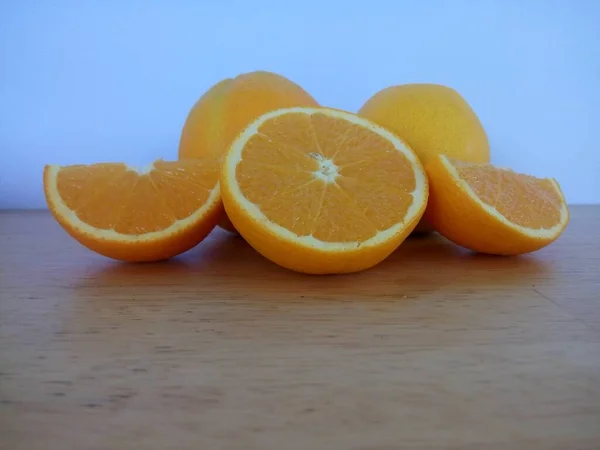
372 183
112 197
523 199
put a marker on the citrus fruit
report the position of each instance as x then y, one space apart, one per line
229 106
433 119
136 215
322 191
492 210
202 131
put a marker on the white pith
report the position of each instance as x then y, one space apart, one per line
141 170
539 233
328 172
69 215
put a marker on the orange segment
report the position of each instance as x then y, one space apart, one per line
131 215
340 219
296 209
263 183
141 210
331 133
299 136
265 149
344 194
83 190
492 210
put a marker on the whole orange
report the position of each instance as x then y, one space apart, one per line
202 133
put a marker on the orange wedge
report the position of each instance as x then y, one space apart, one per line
322 191
491 210
136 215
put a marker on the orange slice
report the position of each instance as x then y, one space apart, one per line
136 215
491 210
322 191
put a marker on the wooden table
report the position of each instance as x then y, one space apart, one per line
436 348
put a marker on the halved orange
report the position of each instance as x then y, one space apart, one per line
136 215
322 191
492 210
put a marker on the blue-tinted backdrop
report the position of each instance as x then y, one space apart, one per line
86 81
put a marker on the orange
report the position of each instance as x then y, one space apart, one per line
229 106
322 191
433 119
147 215
202 133
491 210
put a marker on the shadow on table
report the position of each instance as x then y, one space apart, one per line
226 266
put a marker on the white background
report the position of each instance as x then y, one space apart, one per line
89 81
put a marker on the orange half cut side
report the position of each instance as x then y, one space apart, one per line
322 191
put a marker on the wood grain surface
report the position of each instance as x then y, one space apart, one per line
436 348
